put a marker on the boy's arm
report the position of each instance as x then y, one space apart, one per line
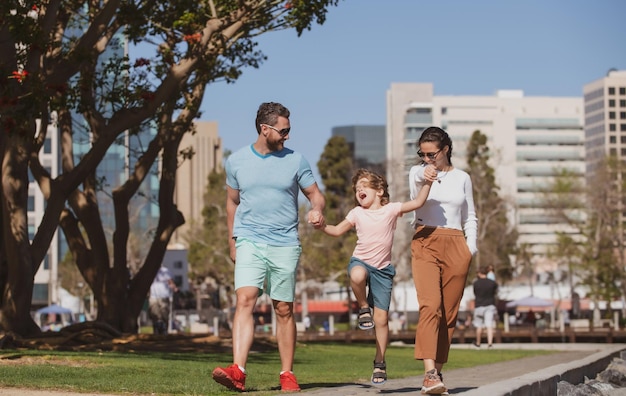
418 201
339 229
430 175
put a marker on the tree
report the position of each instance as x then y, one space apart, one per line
209 253
324 257
63 58
592 209
496 237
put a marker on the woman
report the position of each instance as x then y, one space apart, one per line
442 249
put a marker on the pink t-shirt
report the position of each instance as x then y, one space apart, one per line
374 231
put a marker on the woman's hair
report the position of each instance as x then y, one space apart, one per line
439 137
376 181
268 113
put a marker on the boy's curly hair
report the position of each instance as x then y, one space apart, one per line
376 181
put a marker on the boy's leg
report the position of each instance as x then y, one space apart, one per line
381 322
358 282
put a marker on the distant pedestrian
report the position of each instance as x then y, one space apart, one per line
485 311
375 220
491 273
161 300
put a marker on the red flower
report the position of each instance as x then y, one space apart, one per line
141 62
288 5
192 38
19 75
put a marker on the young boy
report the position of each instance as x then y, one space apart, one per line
375 220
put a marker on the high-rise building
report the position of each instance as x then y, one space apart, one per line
529 138
605 117
193 174
605 129
367 143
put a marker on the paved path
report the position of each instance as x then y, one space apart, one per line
493 379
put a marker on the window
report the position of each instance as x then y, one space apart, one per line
622 127
612 139
622 90
612 127
178 264
31 203
622 115
622 103
611 102
611 90
622 139
611 115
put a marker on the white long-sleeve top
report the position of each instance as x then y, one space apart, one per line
450 203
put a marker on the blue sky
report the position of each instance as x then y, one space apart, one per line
338 73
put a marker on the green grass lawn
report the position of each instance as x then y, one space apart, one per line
317 365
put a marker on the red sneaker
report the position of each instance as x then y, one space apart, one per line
231 377
288 382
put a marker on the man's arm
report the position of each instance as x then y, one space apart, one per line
232 201
318 203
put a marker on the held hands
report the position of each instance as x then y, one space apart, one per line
316 218
430 173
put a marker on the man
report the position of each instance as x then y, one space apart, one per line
263 181
485 312
160 302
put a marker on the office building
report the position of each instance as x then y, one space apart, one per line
367 144
605 118
605 129
193 174
529 138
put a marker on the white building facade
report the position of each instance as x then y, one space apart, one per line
529 139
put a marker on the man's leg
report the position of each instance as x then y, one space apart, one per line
243 324
490 335
285 333
479 333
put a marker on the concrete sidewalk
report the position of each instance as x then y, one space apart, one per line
536 376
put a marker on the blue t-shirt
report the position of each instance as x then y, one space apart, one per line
268 194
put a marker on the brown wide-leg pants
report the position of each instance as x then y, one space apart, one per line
440 261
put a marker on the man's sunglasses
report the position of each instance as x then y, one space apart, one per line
431 156
283 132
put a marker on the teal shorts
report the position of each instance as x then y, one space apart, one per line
268 267
380 282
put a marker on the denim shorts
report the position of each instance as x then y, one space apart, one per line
485 316
380 282
268 267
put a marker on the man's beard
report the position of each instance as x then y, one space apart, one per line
275 145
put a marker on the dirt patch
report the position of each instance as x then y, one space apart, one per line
102 338
21 360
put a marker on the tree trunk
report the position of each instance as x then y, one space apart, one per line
16 264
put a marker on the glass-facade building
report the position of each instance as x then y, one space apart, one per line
367 144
